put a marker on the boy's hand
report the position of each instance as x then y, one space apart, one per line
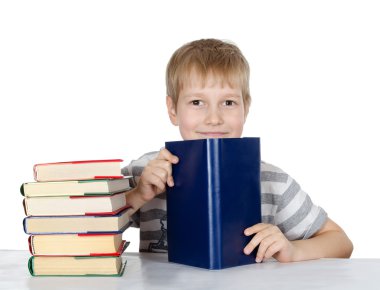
156 175
271 242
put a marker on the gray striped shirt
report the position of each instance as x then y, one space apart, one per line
283 203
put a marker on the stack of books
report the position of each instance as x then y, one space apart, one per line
76 213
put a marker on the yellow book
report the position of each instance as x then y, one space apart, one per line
77 245
74 205
76 187
76 266
78 170
77 224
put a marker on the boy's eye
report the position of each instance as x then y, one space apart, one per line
229 103
196 102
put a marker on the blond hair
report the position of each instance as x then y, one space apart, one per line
204 57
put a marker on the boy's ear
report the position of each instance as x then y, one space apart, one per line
246 114
171 110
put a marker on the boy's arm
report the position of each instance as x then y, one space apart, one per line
329 242
153 180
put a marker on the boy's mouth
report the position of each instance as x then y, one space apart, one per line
213 134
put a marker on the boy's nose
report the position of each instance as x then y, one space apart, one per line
214 117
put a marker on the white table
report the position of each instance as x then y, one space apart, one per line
152 271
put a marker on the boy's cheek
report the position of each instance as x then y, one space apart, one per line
188 127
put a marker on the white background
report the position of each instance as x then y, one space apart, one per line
85 80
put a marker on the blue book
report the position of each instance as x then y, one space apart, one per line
216 196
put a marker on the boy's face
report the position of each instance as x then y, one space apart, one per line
214 110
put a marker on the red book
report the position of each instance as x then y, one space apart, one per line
78 170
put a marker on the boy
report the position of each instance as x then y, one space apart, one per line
208 97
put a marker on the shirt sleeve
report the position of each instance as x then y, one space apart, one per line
297 216
294 212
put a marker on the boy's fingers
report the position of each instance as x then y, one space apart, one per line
160 186
272 250
255 229
261 234
163 169
265 244
170 181
252 245
166 155
155 181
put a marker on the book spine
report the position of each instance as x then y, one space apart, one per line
24 226
22 190
31 265
30 243
213 197
24 205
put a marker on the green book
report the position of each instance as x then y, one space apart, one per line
77 266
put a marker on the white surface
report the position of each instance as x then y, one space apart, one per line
152 271
84 79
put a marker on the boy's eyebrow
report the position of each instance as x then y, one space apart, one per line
233 96
190 95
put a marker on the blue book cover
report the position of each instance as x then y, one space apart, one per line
216 196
